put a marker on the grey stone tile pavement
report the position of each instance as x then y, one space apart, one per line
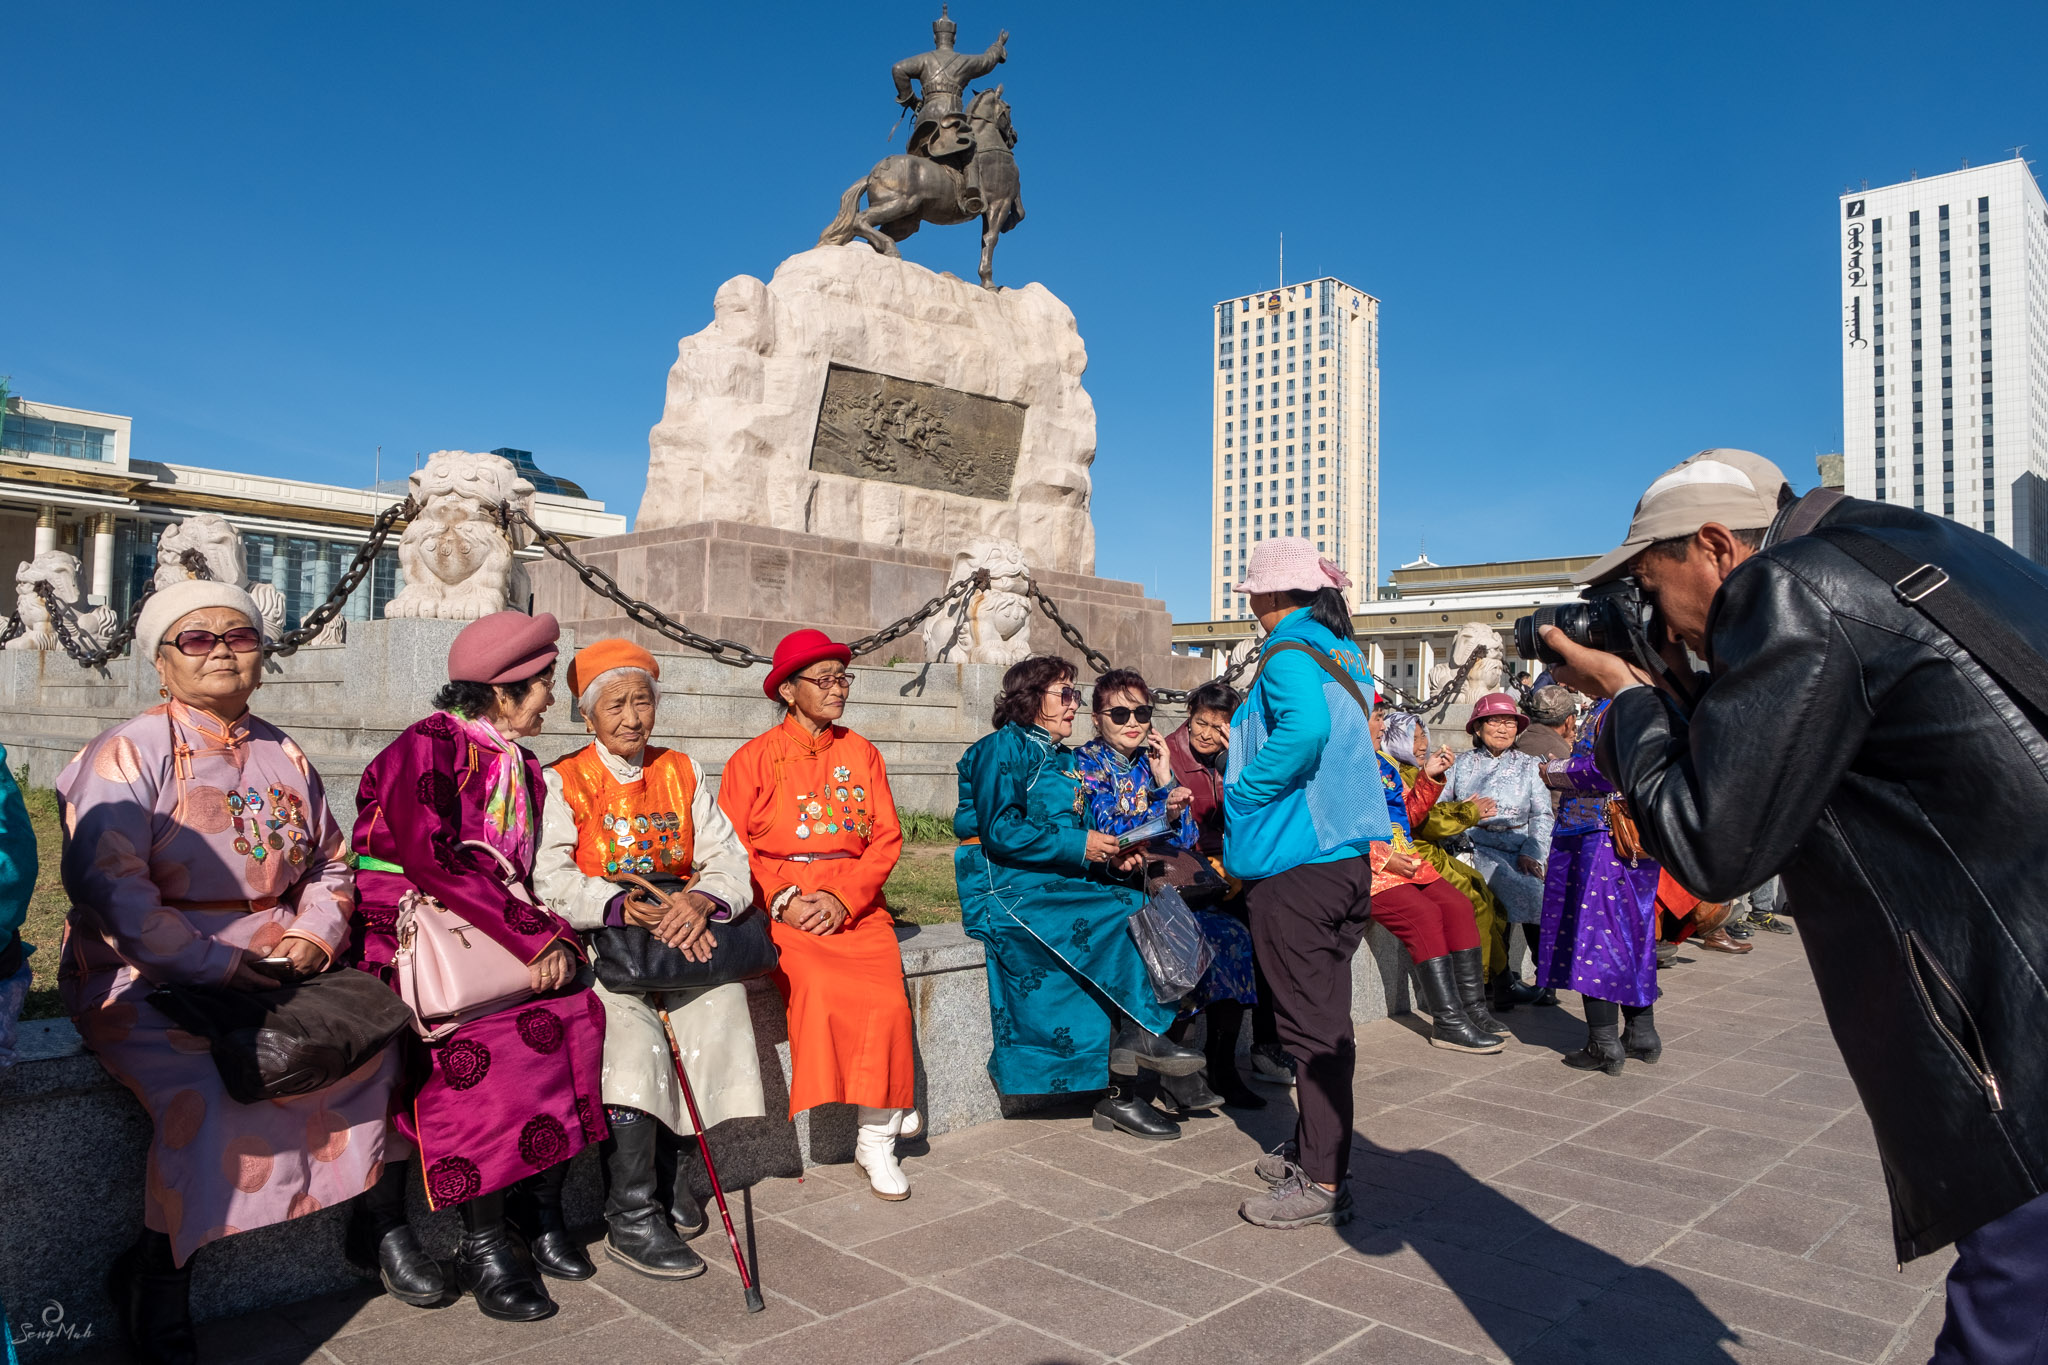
1724 1205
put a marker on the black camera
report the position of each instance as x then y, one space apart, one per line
1614 618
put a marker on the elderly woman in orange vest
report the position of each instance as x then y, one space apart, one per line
624 805
811 801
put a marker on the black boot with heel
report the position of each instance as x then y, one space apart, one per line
381 1244
1470 974
153 1299
1449 1027
535 1208
492 1265
1639 1037
1603 1039
1124 1110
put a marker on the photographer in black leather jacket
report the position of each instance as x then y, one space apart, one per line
1898 781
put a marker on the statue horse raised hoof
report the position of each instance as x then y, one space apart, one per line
904 191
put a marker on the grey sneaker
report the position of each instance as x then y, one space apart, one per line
1298 1202
1274 1165
1272 1065
1764 919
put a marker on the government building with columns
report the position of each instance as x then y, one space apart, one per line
69 481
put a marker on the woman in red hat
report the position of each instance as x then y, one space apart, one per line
811 801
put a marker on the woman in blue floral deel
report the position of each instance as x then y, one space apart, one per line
1128 780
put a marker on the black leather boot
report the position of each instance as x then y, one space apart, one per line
1226 1018
1603 1041
1470 974
1191 1092
1639 1038
1123 1110
637 1231
1602 1051
534 1207
1450 1028
382 1245
672 1186
491 1265
1135 1046
153 1300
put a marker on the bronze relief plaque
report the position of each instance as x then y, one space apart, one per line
875 426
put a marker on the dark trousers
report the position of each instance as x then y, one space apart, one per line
1306 924
1998 1293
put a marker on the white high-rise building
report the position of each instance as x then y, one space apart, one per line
1945 349
1295 440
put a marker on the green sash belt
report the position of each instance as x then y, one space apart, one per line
365 863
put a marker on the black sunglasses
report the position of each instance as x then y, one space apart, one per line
1121 715
200 643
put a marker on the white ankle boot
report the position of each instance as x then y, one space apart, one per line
913 1124
875 1149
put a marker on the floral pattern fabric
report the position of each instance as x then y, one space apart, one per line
1121 798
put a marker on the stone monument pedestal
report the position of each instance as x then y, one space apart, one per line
754 584
835 444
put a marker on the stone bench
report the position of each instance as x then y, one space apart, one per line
75 1142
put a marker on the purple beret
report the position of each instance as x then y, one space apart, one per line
504 647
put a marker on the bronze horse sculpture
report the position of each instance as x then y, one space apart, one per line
905 191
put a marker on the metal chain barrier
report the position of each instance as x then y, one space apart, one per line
640 613
868 644
194 564
644 614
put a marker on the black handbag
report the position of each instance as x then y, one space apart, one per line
630 960
291 1040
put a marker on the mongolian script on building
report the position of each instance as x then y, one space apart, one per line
876 426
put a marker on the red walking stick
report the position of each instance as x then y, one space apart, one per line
675 1053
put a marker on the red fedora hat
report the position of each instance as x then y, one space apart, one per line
797 651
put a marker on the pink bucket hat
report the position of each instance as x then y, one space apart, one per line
1496 704
504 647
1291 564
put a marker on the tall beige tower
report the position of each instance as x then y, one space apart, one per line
1295 441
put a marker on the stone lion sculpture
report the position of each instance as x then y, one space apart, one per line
91 627
457 554
227 561
992 626
1485 675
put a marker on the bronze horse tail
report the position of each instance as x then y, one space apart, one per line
840 230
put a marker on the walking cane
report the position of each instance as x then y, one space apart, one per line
675 1054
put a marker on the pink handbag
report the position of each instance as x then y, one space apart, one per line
448 971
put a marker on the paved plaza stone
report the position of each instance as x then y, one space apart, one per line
1726 1204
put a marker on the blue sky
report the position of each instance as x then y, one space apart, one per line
279 236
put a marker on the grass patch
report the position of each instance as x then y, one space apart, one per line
47 907
921 889
925 827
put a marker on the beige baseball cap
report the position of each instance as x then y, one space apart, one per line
1737 488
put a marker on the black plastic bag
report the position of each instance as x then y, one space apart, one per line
1177 954
293 1039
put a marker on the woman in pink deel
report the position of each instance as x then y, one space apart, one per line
500 1105
197 839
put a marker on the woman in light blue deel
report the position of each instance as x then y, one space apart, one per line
1071 1005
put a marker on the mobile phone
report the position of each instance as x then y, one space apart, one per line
282 968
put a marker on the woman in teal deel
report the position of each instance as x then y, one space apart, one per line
1070 1003
17 881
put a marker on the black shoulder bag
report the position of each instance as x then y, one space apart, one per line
630 960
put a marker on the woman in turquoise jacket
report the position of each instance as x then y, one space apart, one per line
1071 1005
1303 803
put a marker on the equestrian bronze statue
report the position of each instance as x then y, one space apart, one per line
959 165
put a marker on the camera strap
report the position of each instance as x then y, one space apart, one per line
1926 587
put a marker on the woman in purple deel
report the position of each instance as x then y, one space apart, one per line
1599 932
500 1105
